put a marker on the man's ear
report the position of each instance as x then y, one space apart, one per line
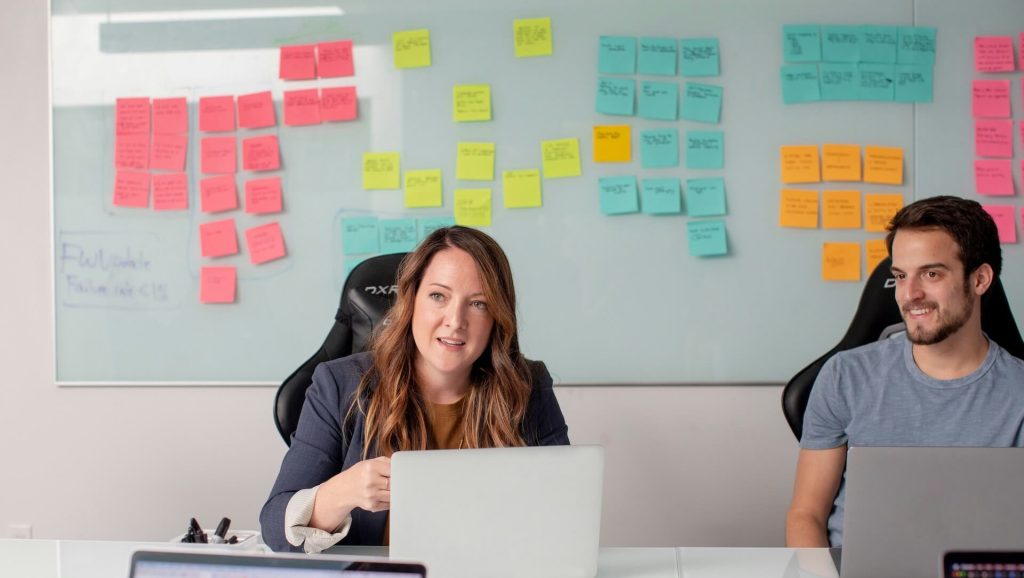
981 279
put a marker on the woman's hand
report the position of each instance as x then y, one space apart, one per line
365 485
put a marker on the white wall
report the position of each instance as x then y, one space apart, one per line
685 465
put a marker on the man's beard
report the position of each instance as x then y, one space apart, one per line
948 323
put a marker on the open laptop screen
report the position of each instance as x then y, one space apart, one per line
983 565
151 564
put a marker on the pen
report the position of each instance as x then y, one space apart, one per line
221 531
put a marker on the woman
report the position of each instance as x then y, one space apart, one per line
443 372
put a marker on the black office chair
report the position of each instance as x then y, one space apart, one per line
368 294
876 316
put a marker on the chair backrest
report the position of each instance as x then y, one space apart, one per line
876 312
368 294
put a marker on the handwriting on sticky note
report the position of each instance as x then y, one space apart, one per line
800 83
798 208
131 189
993 177
618 195
561 158
840 262
705 149
473 207
840 209
879 209
218 238
659 148
707 238
702 103
302 107
218 194
334 59
840 162
993 138
878 44
261 153
613 144
993 53
168 152
217 284
256 110
471 102
532 37
883 165
659 100
661 197
616 55
263 196
991 98
359 235
170 192
423 188
705 197
217 114
131 151
615 96
218 155
521 188
1005 220
131 116
800 164
338 104
474 161
381 171
699 57
801 43
397 235
411 48
170 115
265 243
297 62
658 56
875 251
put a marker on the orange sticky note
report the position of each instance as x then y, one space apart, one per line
875 251
170 192
840 209
217 284
170 115
265 243
263 195
218 238
798 208
131 189
297 62
883 165
261 153
302 107
218 194
256 110
840 262
218 155
131 116
338 104
613 144
334 59
840 162
216 114
168 152
799 164
879 209
131 151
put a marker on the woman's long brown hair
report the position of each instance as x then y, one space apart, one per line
500 381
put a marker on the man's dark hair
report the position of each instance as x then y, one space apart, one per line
973 229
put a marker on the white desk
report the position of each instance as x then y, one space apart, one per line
96 559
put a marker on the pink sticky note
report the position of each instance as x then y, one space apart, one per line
338 103
993 138
170 192
131 151
217 114
170 115
265 243
131 189
301 107
218 194
298 62
217 284
218 239
993 177
218 155
993 53
132 116
256 110
168 152
335 59
260 153
991 98
263 195
1005 221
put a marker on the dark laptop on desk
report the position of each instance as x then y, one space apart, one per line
183 564
905 507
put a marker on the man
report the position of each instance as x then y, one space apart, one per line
942 384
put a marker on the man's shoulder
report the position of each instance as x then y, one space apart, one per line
873 353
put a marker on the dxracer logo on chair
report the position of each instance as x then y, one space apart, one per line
381 289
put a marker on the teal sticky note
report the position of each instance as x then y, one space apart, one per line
916 46
707 238
427 225
616 55
657 56
702 102
878 44
618 195
659 148
839 81
699 57
913 83
661 197
659 100
840 43
615 96
876 81
801 43
705 197
800 83
705 149
359 235
351 262
397 235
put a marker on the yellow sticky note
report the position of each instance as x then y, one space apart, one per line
532 36
561 158
840 209
840 262
840 162
471 102
423 188
473 207
522 188
800 164
474 161
876 251
798 208
879 210
613 144
381 171
412 48
883 165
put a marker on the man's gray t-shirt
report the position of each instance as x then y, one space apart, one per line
875 395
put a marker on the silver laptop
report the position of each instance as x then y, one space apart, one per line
498 513
197 564
905 507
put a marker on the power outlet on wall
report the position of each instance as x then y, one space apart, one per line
19 531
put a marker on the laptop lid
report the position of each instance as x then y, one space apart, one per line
960 564
187 564
906 506
506 512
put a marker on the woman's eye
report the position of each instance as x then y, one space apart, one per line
435 296
481 305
